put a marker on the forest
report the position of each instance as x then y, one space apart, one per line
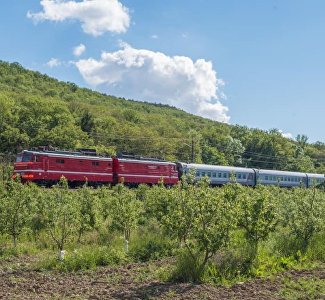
38 110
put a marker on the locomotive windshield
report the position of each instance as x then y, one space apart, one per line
26 156
19 157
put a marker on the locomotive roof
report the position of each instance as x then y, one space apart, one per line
67 154
143 160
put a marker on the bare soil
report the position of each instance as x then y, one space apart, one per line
20 280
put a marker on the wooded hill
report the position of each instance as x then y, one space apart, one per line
38 110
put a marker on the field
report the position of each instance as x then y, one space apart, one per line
139 281
186 242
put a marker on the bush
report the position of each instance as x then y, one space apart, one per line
316 251
188 268
84 259
146 248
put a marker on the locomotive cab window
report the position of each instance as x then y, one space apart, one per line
27 157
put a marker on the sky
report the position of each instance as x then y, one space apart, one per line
256 63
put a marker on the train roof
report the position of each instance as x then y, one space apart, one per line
217 168
278 172
67 154
148 160
314 175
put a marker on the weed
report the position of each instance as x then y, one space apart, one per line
307 288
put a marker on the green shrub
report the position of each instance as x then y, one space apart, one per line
188 268
149 247
316 250
84 259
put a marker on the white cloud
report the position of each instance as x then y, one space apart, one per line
287 135
53 62
154 36
78 50
156 77
96 16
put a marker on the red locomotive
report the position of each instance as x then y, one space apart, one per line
46 167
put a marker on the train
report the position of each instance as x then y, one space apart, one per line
45 166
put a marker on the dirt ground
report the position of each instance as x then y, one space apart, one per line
19 280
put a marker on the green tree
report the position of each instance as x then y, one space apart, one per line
201 219
258 216
15 209
62 214
88 205
125 211
304 214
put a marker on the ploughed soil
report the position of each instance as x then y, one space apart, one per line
20 280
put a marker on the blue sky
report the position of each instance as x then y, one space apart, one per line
249 62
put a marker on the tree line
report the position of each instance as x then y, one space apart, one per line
38 110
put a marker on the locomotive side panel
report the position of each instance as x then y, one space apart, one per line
134 172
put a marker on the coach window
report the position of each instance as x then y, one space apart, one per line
197 173
36 158
239 176
95 163
244 176
209 174
219 175
203 174
214 174
60 161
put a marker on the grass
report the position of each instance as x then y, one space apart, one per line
85 258
304 289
